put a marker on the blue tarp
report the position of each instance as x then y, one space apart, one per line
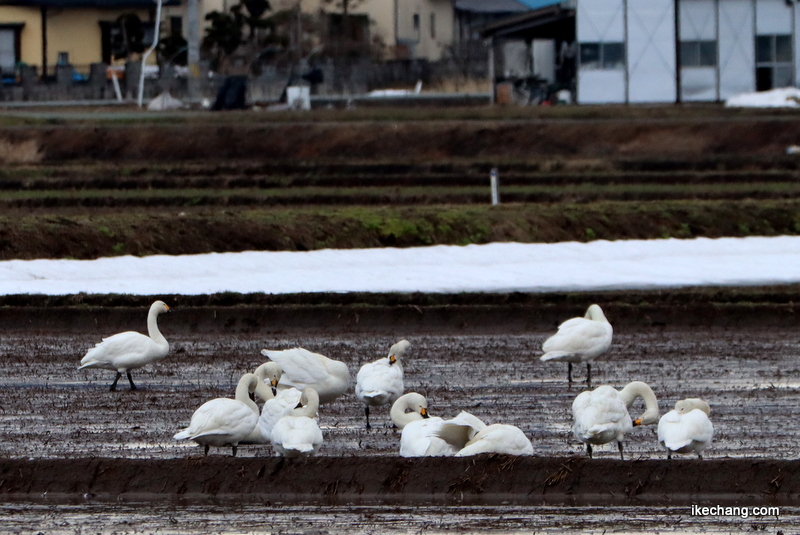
536 4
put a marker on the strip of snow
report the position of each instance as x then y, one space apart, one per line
496 267
784 97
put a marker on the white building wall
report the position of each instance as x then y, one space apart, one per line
698 22
600 21
773 17
737 65
651 51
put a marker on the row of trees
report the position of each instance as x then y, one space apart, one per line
251 29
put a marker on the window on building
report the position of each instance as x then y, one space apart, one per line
698 53
9 48
602 55
433 25
415 25
774 61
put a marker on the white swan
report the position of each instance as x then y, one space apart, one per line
580 340
297 434
303 369
686 428
276 406
381 382
130 350
226 422
601 415
418 428
470 436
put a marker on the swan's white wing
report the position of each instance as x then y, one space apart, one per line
498 438
123 351
600 416
460 430
296 435
578 337
228 418
379 382
299 365
418 440
276 408
676 431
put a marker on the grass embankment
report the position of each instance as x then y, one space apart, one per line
302 229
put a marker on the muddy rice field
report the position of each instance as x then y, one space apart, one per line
77 458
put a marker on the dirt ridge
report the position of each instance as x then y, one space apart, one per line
482 479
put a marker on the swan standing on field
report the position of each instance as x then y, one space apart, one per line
601 415
686 428
580 340
470 436
381 382
226 422
418 428
130 350
297 434
278 404
303 369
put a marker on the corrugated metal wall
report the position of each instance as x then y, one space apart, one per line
599 21
651 51
648 29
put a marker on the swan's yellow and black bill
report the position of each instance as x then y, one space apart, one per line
637 422
392 359
424 412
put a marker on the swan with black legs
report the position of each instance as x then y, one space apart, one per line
130 350
226 422
601 415
580 340
381 382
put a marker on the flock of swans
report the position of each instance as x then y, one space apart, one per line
293 384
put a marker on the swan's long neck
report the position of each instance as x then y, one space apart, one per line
595 313
311 405
152 327
248 383
400 417
638 389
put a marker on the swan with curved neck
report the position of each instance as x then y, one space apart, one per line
381 382
224 421
130 350
278 404
687 428
297 434
601 415
410 414
580 340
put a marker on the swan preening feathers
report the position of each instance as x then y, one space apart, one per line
227 422
686 428
381 382
601 415
297 434
462 436
580 340
303 369
470 436
130 350
418 439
